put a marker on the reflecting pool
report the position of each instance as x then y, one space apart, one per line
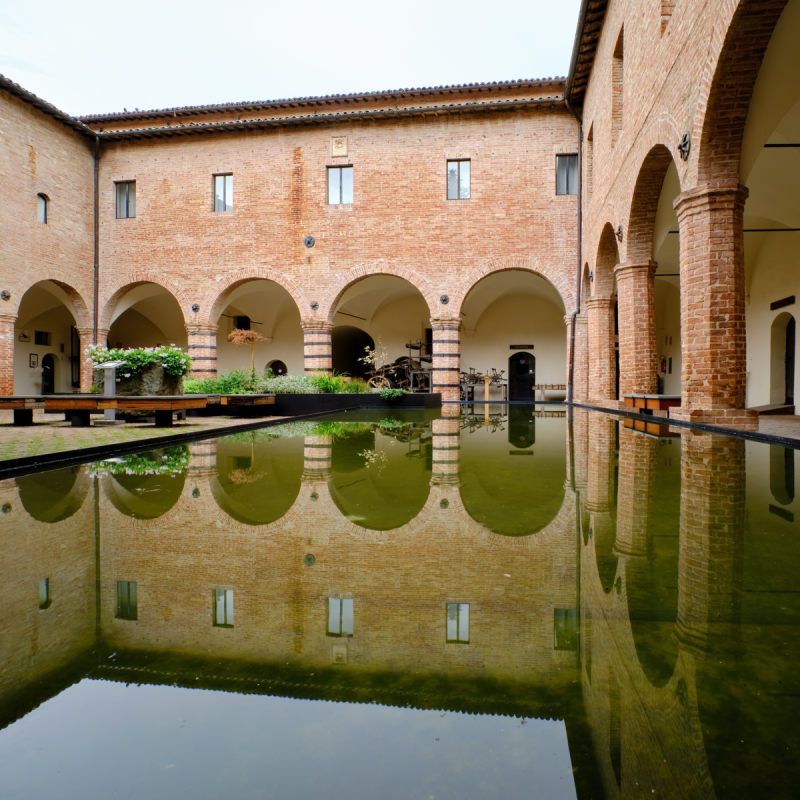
502 604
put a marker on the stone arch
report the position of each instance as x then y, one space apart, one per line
83 315
552 274
118 288
334 294
607 258
214 302
738 43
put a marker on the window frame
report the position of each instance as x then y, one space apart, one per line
128 613
340 167
342 634
42 202
570 173
458 639
458 161
227 594
48 598
214 177
128 185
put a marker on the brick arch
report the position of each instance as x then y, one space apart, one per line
118 288
607 258
82 308
346 280
555 276
738 43
214 302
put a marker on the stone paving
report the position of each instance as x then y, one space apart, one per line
50 433
787 426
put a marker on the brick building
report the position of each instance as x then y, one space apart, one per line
445 215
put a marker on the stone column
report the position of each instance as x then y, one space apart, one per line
602 358
203 350
446 450
317 346
446 366
713 306
7 340
580 388
638 366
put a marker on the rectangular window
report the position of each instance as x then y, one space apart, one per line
41 208
567 174
41 337
44 593
340 185
223 608
127 607
458 623
242 323
565 629
242 462
223 192
458 173
126 199
340 617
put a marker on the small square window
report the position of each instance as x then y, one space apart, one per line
41 208
242 323
223 608
340 617
44 593
340 185
458 178
567 174
42 337
127 606
223 192
565 629
126 199
458 623
242 462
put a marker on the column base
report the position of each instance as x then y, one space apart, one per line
741 419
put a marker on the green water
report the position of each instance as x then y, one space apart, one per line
503 604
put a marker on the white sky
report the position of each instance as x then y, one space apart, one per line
89 57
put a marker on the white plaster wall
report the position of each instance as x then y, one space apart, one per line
668 324
57 321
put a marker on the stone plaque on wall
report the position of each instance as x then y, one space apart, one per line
338 145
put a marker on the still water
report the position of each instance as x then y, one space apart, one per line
402 605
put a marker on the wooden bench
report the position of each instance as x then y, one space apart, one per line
648 403
243 399
657 429
163 405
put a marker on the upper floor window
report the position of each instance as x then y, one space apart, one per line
41 208
458 178
458 623
223 608
340 185
44 593
126 199
127 605
223 192
340 617
567 174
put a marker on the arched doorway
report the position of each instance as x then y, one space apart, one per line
48 374
782 359
348 345
278 367
521 376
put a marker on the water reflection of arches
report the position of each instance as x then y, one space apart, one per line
256 483
143 496
53 496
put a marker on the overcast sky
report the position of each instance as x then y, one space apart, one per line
89 57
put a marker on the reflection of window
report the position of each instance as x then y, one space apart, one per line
781 474
223 193
223 608
458 180
126 199
127 607
44 593
340 617
565 629
566 174
41 208
242 462
458 623
340 185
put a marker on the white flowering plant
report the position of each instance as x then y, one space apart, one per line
169 461
170 356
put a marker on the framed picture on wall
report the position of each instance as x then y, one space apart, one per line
34 360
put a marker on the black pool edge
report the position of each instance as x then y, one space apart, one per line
766 438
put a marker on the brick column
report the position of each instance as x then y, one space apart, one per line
86 338
446 450
713 306
637 328
580 387
446 359
317 346
602 361
317 454
203 350
7 340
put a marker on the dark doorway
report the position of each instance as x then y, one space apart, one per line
349 344
277 367
790 346
48 374
521 376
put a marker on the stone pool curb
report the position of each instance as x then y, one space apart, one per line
756 436
64 458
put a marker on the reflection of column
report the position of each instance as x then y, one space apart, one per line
600 490
580 449
602 359
712 535
7 353
712 306
446 359
203 350
638 456
637 328
317 346
446 450
203 458
580 388
317 453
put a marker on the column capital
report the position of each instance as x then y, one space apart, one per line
211 330
704 197
316 325
603 303
631 269
453 323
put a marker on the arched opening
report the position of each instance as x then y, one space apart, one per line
391 312
349 344
783 337
513 322
53 496
143 496
47 353
604 321
147 315
277 366
266 307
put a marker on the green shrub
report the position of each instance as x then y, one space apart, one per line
171 357
290 384
391 394
330 382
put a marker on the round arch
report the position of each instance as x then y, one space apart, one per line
72 298
603 282
119 288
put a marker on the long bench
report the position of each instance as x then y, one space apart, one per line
648 403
